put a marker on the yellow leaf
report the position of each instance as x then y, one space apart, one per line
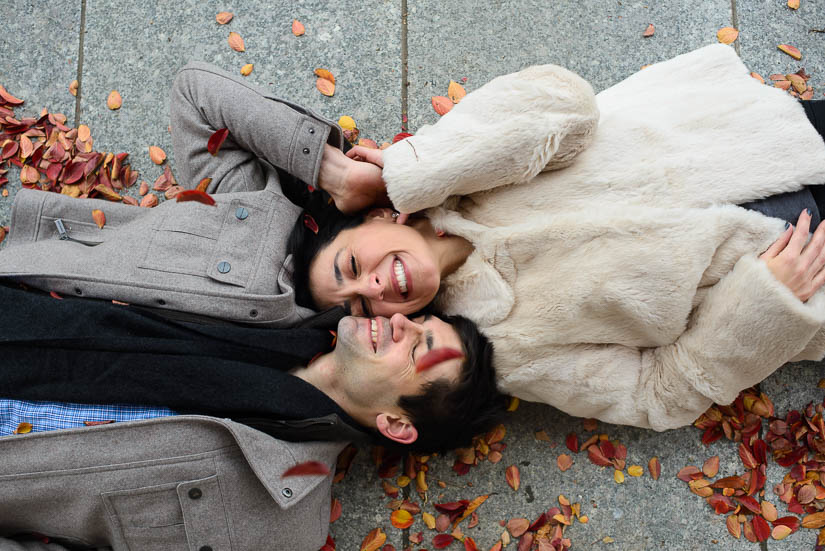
455 92
583 519
23 428
346 122
635 470
474 504
114 101
421 481
403 481
608 539
514 402
726 35
374 540
246 69
236 42
429 520
793 4
618 476
401 519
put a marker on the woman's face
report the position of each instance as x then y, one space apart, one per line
379 268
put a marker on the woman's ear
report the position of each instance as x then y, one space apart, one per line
395 428
381 213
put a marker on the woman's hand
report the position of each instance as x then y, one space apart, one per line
799 266
353 185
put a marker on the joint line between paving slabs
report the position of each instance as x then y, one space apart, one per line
80 62
734 22
405 122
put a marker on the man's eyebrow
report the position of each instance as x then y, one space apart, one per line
338 277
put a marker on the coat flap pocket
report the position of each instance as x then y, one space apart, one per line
204 514
147 507
238 250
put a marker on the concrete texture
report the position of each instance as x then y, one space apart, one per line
137 48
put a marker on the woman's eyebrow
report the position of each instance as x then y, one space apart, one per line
429 335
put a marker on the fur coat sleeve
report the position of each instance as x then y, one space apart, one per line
480 145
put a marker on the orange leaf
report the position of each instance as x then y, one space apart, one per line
791 51
726 35
435 357
733 525
157 154
780 532
442 105
456 91
335 510
474 504
83 133
564 462
246 69
195 195
8 98
518 526
305 468
496 435
107 193
758 77
793 4
216 140
99 218
203 184
2 232
236 42
401 519
323 73
649 31
325 86
814 520
768 511
513 477
149 200
114 101
23 428
73 87
711 466
224 17
374 540
298 28
470 544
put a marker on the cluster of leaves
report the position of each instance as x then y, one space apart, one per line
796 84
455 92
796 442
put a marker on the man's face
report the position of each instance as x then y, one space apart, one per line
376 357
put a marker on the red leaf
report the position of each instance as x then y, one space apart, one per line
721 504
435 357
195 195
761 528
335 510
596 456
470 544
572 442
310 222
747 457
400 136
10 149
55 295
442 540
216 140
306 468
789 521
442 105
8 98
760 449
607 448
749 503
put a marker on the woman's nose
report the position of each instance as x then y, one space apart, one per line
373 287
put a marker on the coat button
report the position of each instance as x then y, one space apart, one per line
224 267
253 313
286 492
241 213
306 151
195 493
312 131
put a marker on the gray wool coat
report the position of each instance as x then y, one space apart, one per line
225 261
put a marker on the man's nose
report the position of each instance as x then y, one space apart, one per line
402 325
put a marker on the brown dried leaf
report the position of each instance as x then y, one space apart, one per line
564 462
517 526
797 82
149 200
246 70
236 42
99 218
203 184
442 105
325 86
733 525
224 17
456 91
73 87
814 520
157 154
298 28
791 51
711 466
114 101
727 35
649 31
513 477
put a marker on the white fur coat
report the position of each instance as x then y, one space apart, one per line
612 270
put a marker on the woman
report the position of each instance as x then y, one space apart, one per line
626 285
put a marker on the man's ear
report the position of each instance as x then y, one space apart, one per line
380 213
396 428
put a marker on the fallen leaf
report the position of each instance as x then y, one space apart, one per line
572 442
389 489
814 520
107 193
512 403
26 147
595 455
83 133
761 528
518 526
216 140
806 494
2 232
635 470
780 532
224 17
150 200
197 196
442 522
236 42
400 136
73 87
421 481
325 74
797 82
298 28
246 69
429 520
649 31
711 466
608 539
374 540
401 519
791 51
618 476
346 122
96 423
441 541
157 154
793 4
442 105
456 91
758 77
368 143
564 462
306 468
55 295
99 218
8 98
23 428
114 101
768 511
325 86
735 529
513 477
470 544
335 510
727 35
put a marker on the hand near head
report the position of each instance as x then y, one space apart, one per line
799 266
352 183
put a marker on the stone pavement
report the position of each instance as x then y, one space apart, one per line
389 57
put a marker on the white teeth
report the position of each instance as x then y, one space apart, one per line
374 332
400 275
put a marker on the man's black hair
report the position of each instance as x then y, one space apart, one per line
448 414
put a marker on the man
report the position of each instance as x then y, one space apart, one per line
173 481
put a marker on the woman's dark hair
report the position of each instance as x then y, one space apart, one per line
304 243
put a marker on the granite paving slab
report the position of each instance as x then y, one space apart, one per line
38 61
765 25
601 41
138 48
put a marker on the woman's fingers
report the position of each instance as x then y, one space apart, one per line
800 234
779 245
813 250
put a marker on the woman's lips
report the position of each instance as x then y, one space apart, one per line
394 278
